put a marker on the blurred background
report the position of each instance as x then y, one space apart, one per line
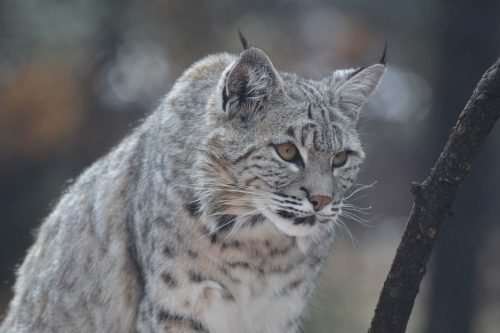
76 76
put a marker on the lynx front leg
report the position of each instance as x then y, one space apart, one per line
174 301
158 320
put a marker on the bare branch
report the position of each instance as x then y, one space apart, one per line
433 200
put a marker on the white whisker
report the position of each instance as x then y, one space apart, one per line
361 188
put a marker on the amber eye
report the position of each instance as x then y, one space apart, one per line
339 159
287 151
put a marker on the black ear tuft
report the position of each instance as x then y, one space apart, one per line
243 40
383 60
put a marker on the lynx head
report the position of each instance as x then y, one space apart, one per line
282 147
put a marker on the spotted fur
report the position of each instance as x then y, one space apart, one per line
194 223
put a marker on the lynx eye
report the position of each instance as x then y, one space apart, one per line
287 151
339 159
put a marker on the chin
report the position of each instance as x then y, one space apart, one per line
287 226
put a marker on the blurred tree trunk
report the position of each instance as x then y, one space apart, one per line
467 36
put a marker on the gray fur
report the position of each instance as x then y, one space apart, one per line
194 223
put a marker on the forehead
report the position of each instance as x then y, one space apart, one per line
307 116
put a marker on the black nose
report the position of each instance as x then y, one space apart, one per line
320 201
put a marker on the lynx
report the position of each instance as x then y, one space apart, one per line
215 215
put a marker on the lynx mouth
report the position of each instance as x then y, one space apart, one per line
289 223
311 220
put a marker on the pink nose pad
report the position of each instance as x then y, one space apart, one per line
320 201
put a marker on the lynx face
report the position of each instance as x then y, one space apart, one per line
283 147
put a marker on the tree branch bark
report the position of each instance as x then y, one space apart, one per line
433 200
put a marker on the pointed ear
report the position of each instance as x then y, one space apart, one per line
356 87
249 84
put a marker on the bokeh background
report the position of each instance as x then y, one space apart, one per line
76 76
